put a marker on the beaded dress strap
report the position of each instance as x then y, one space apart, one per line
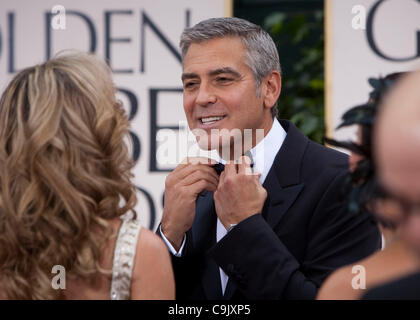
125 251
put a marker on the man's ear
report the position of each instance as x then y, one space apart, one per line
271 88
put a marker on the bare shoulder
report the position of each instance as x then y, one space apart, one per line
150 241
152 272
151 250
338 285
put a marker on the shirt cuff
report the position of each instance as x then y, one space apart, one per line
169 245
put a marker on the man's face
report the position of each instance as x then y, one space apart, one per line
220 92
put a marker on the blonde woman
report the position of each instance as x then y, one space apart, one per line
65 193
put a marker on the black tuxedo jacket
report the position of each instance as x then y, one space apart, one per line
303 233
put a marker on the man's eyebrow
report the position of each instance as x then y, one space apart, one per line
225 70
188 76
212 73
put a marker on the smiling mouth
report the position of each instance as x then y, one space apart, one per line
211 120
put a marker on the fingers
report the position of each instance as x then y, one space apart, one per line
201 174
231 168
244 165
198 160
222 177
200 185
189 165
189 161
193 176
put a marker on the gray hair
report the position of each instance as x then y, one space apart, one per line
261 52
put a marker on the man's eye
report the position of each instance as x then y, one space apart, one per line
224 79
189 84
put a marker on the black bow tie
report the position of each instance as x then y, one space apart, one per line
220 167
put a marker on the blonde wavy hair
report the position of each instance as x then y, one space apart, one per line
64 172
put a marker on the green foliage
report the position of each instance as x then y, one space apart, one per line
300 38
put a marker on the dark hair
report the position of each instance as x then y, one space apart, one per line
361 185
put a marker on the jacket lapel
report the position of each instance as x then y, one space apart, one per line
204 237
204 225
283 183
279 200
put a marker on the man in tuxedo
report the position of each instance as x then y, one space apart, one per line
397 151
270 227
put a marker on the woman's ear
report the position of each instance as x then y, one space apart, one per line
272 88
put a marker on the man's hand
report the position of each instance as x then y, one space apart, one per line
239 194
182 186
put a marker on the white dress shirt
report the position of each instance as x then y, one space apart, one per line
263 155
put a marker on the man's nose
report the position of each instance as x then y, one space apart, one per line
206 95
